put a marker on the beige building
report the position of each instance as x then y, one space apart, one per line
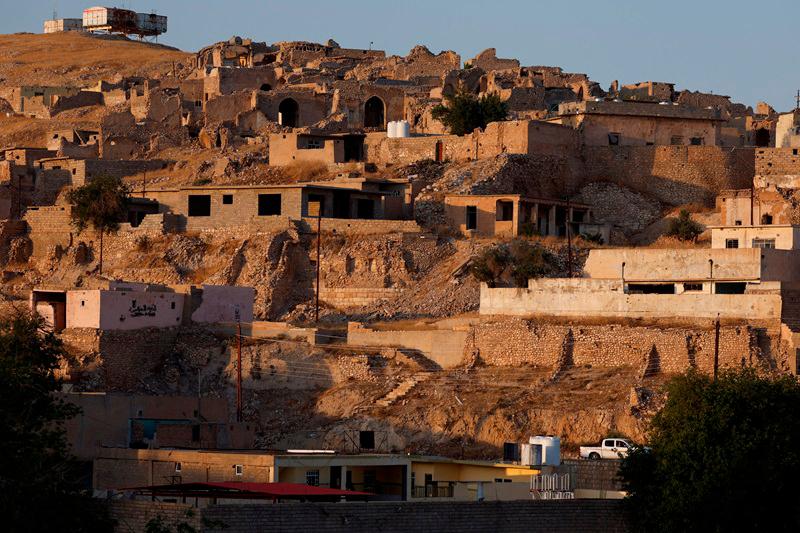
612 123
513 214
743 284
780 237
388 476
288 148
126 306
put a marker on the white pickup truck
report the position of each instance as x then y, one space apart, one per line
608 449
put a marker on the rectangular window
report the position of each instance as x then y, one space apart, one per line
312 478
764 243
269 205
227 199
676 140
613 139
651 288
730 288
731 243
238 470
365 208
199 205
366 440
696 141
314 144
472 217
766 220
178 467
692 287
316 205
505 211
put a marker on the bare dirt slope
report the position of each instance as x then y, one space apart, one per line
80 60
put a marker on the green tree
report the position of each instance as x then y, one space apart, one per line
723 456
464 112
517 261
102 204
38 477
683 227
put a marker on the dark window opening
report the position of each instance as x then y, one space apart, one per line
762 137
613 139
439 156
199 205
269 205
227 199
196 433
505 211
766 219
288 113
366 440
365 208
472 217
731 243
266 87
696 141
374 113
730 288
676 140
651 288
692 287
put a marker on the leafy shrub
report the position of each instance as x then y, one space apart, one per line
201 181
594 238
683 227
515 262
464 112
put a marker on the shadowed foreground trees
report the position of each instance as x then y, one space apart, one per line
464 112
38 478
724 456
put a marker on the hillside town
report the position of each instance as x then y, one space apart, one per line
321 284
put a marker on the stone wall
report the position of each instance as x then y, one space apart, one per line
515 342
360 226
346 297
129 356
777 161
445 347
49 227
674 175
439 516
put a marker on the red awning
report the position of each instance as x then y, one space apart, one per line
254 491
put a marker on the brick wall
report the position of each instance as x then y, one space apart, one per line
355 297
515 342
49 227
501 516
595 475
133 516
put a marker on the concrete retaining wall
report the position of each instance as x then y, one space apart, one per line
444 347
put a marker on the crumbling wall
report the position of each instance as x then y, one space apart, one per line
516 342
675 175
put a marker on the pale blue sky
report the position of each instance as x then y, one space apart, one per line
744 49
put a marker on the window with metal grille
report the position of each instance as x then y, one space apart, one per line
731 243
312 478
763 243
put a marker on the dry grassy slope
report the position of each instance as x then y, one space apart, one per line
80 60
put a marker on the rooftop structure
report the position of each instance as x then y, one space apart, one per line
116 20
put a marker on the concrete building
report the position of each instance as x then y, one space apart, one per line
741 284
288 148
211 207
513 215
774 236
60 25
617 123
117 420
126 306
388 476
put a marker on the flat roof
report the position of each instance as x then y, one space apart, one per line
521 198
251 491
309 185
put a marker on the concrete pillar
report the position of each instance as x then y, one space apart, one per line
551 222
343 480
515 224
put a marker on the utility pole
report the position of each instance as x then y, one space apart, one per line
144 183
752 195
569 239
319 242
238 371
797 99
716 348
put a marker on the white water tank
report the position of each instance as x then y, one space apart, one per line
403 129
391 129
546 450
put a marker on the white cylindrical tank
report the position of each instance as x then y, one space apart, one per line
551 449
403 128
391 129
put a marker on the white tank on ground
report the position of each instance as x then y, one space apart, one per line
391 129
403 129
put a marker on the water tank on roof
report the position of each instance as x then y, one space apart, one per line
545 451
403 129
391 129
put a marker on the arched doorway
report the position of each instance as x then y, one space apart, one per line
288 113
266 87
374 113
762 137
